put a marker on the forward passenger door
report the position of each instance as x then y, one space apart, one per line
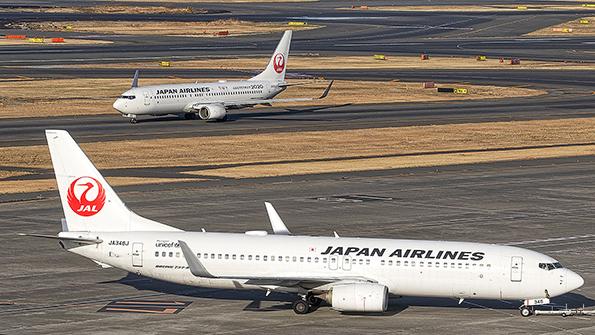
516 268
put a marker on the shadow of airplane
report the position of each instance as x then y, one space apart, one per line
231 117
284 301
285 112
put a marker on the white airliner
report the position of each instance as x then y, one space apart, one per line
210 101
350 274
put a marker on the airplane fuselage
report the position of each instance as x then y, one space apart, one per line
186 98
405 267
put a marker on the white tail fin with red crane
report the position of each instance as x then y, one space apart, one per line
275 70
89 202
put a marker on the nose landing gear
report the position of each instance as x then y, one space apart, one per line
526 311
132 117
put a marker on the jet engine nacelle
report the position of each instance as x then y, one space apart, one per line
212 112
360 297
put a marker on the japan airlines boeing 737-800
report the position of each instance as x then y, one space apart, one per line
210 101
350 274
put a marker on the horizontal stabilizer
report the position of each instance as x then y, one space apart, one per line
71 239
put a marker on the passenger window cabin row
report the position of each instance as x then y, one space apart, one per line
178 96
324 260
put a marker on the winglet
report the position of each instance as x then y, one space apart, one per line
279 227
194 264
326 90
135 80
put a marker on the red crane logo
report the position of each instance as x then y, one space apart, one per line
78 196
279 63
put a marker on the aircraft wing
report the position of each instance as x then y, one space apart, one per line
305 282
285 280
251 102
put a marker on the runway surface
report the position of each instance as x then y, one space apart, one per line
495 34
544 205
568 96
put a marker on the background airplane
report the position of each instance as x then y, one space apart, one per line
210 101
350 274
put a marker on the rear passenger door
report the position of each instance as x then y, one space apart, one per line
137 254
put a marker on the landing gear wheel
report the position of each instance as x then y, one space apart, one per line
133 120
301 307
189 116
525 312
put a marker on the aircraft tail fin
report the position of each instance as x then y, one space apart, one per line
88 201
275 70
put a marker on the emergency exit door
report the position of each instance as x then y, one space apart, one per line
147 101
137 254
516 268
333 262
347 263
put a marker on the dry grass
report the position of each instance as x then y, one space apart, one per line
294 146
278 154
384 163
9 174
56 97
474 8
188 29
48 41
40 185
359 92
225 1
578 29
112 9
354 62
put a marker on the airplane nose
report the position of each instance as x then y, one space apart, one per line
119 105
573 281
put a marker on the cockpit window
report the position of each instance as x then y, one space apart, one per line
129 97
550 266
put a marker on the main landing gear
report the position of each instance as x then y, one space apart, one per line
190 116
306 304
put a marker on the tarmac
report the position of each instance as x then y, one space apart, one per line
545 205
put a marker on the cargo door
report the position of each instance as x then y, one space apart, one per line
137 254
516 268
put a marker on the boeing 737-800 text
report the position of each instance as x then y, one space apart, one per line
350 274
210 101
